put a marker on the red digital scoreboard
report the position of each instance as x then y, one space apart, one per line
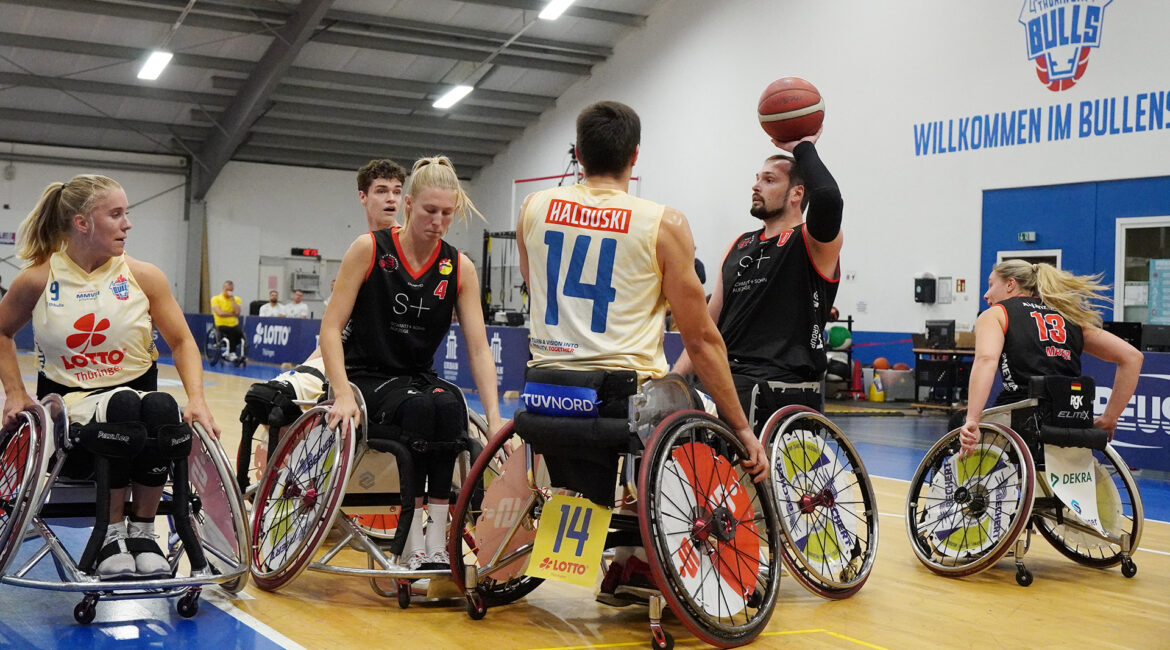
305 252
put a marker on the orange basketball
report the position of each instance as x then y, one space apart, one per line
790 109
901 366
881 363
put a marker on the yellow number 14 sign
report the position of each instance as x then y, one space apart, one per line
570 540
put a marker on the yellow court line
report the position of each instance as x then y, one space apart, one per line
629 644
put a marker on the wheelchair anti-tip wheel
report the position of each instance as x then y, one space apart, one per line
498 517
299 497
964 514
1119 507
22 462
710 533
825 502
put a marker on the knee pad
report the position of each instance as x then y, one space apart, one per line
450 416
113 440
159 410
122 406
174 440
271 403
150 468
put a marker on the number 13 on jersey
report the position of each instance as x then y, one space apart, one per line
569 541
601 292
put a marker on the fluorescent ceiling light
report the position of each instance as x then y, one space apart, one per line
452 97
554 9
155 64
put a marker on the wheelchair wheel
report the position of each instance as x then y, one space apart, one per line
1119 507
825 502
220 521
497 511
964 514
241 359
211 347
298 498
710 533
22 463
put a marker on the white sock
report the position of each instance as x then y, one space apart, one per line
414 538
437 531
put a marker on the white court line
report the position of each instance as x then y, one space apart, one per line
222 601
901 516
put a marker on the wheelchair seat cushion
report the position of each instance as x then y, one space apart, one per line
581 453
612 387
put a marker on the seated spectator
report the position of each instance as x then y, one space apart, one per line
272 308
296 308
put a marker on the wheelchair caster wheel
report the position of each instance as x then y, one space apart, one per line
1128 568
476 608
403 594
86 610
1023 577
188 605
661 639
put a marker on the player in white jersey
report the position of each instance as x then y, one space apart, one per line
601 266
93 310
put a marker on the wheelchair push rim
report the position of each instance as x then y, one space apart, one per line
464 549
825 502
963 515
298 498
1092 550
22 461
226 501
710 533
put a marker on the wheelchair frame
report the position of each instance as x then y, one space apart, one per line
712 527
1038 506
346 451
215 345
226 566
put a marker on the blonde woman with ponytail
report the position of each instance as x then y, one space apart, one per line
1040 321
396 292
93 309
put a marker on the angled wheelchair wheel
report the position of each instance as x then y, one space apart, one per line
220 521
825 502
211 348
22 462
299 498
964 514
710 533
498 511
1119 507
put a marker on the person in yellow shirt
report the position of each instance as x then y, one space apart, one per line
226 310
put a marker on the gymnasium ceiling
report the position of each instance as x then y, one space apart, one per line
317 83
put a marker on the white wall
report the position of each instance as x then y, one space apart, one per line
157 227
695 73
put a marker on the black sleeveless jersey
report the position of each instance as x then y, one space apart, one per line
775 304
402 315
1038 341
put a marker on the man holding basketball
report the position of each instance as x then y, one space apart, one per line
777 284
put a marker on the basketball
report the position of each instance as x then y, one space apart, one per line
901 366
790 109
881 363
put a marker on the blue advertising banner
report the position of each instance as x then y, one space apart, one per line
280 340
1143 430
509 347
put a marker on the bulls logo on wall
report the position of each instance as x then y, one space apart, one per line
1059 35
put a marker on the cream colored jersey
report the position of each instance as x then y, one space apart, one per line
93 330
595 288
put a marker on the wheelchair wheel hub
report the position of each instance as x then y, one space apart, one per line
974 500
810 502
309 499
719 524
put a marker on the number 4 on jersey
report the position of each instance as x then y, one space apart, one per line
441 290
601 292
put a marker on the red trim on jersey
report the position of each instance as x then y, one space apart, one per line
837 270
373 257
458 265
1006 319
406 265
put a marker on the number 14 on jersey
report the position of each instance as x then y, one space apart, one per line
601 292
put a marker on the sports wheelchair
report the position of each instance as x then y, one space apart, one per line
711 535
964 514
204 510
827 510
315 473
275 405
217 347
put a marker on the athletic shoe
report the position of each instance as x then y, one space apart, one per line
622 582
415 561
149 561
437 560
114 560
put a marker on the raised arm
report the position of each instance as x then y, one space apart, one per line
700 337
825 205
479 353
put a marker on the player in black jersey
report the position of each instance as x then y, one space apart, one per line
1041 319
777 284
398 290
